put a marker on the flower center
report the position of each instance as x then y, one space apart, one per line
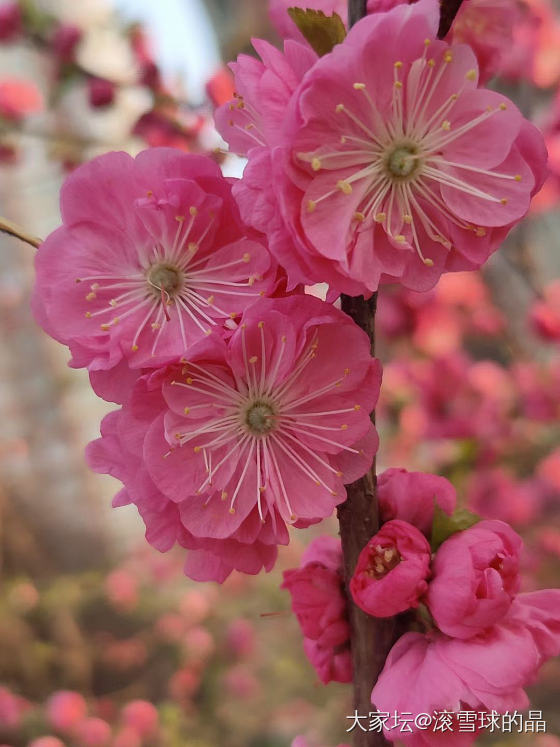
402 161
259 418
165 277
382 560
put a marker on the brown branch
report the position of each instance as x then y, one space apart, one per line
6 226
448 11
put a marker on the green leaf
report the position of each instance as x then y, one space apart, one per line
322 32
444 526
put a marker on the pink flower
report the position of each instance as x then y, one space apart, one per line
426 673
93 732
278 11
391 572
127 737
11 21
496 494
65 710
152 256
101 92
121 588
142 717
46 742
64 41
475 577
115 453
396 166
12 709
545 313
274 420
319 603
411 496
18 98
240 638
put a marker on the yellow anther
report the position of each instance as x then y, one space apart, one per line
193 211
503 106
94 286
343 140
339 473
187 410
88 314
91 296
447 57
397 84
400 238
428 262
503 201
149 193
260 325
398 64
232 511
479 231
339 108
233 314
357 407
180 218
431 62
427 42
380 217
134 348
197 449
207 332
250 126
189 380
105 327
311 205
316 164
253 359
359 86
344 186
283 339
262 489
454 96
346 371
471 75
344 427
112 302
246 257
360 217
407 218
517 177
446 125
155 325
224 495
210 300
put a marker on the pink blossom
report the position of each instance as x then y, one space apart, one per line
115 453
397 167
411 497
545 313
320 606
426 673
240 637
101 92
64 41
496 494
11 21
142 717
65 710
475 577
93 732
112 283
126 737
274 420
46 742
12 708
391 572
18 98
121 588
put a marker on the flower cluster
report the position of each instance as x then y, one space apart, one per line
465 595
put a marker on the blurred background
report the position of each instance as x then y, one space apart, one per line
142 655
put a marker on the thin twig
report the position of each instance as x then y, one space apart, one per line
6 226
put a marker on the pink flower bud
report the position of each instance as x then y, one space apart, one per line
10 21
411 496
141 716
391 572
65 710
476 575
93 732
65 40
101 92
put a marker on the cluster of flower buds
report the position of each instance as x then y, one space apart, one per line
474 641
